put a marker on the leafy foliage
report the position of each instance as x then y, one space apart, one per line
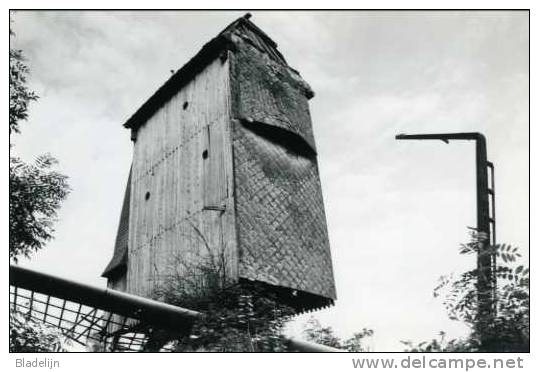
441 344
319 334
30 336
36 193
241 318
19 94
315 332
508 331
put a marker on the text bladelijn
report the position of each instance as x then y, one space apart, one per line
37 363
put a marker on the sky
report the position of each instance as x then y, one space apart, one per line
396 210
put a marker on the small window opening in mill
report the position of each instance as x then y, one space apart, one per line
205 154
147 196
185 105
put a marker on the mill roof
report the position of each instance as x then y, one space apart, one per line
227 39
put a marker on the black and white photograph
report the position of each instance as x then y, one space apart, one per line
270 181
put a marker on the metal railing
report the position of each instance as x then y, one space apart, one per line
114 318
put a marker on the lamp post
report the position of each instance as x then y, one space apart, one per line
486 258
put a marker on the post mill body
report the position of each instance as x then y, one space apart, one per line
225 164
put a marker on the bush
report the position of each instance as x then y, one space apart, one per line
27 335
508 330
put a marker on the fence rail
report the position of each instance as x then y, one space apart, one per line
118 320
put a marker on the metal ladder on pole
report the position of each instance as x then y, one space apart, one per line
492 221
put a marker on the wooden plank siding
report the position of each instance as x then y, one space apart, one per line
181 201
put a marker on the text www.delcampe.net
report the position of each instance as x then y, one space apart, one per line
424 361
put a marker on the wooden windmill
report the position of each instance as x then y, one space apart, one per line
224 163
